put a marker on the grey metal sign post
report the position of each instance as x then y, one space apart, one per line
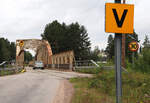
118 48
118 38
118 26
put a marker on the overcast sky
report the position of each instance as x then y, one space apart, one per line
23 19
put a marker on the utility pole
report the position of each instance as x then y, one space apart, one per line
124 1
123 46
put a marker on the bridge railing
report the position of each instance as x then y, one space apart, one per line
80 64
61 66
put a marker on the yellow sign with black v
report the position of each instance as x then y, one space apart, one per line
21 43
119 18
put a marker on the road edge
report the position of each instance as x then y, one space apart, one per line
64 93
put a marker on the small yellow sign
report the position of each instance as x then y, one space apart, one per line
21 43
119 18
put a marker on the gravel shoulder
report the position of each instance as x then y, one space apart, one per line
64 93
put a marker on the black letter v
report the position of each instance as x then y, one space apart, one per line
120 22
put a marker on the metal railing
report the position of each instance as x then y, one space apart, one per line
85 64
9 69
113 67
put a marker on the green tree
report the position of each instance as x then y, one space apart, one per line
142 64
54 34
95 54
13 50
64 37
110 47
27 56
5 46
146 43
7 50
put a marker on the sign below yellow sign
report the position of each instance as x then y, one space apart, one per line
133 46
119 18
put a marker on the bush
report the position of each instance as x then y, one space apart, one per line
135 88
104 82
142 64
95 83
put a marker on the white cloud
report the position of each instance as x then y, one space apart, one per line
27 18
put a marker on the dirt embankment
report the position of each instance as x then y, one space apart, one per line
64 93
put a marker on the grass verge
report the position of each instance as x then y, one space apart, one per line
11 72
101 88
89 71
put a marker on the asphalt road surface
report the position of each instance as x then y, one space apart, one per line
34 86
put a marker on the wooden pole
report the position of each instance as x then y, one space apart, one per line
123 47
124 1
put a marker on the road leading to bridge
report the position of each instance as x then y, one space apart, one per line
39 86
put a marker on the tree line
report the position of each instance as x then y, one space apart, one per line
141 58
62 37
142 64
7 50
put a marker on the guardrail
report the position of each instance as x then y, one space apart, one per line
85 64
113 67
4 62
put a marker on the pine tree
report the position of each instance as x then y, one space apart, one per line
146 43
64 37
110 47
7 50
